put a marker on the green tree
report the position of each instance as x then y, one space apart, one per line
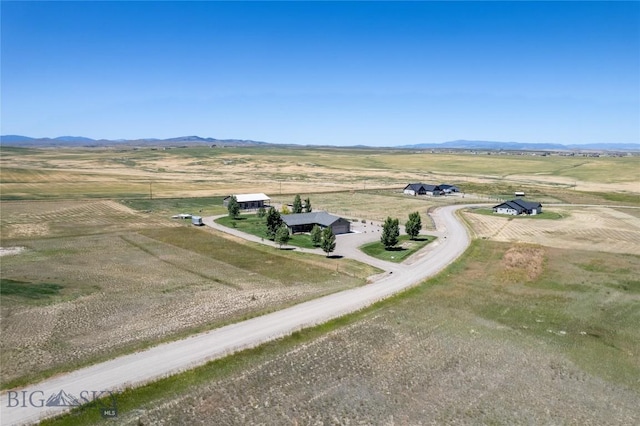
390 233
285 209
274 220
316 236
282 235
297 204
413 225
328 243
307 205
261 212
233 207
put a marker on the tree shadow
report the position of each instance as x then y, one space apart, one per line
334 256
395 249
420 239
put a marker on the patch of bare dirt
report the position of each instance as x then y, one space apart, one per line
526 259
7 251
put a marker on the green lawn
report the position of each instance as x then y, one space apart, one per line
405 248
252 224
201 206
28 290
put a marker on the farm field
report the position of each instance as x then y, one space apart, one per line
511 334
200 172
582 228
108 272
127 279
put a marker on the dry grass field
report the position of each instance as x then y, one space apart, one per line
537 324
190 172
130 279
511 334
582 228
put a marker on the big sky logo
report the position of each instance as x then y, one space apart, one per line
105 400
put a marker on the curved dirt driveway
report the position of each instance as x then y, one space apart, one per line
169 358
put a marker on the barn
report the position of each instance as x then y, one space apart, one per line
517 207
304 222
248 201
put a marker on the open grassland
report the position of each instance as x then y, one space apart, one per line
510 334
124 279
583 228
189 172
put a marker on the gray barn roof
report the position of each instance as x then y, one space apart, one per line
425 186
320 218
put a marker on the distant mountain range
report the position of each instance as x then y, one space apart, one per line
25 141
77 141
523 146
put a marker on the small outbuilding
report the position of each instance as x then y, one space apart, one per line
248 201
304 222
518 207
448 189
196 220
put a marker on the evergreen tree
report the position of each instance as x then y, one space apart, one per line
307 205
282 235
328 243
316 236
390 233
261 212
273 222
297 204
413 225
233 207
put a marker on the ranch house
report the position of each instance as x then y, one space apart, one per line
304 222
517 207
422 189
248 201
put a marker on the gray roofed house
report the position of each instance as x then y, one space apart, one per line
304 222
422 189
516 207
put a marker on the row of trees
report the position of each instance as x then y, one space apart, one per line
298 207
391 230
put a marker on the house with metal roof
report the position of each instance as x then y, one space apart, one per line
517 207
422 189
248 201
304 222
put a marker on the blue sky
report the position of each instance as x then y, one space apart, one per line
341 73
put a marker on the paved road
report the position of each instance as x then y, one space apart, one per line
169 358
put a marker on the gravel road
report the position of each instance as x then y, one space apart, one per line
169 358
